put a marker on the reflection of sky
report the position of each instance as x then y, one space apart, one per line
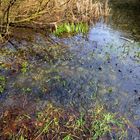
102 34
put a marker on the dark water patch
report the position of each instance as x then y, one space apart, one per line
127 19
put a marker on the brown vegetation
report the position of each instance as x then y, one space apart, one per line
54 123
47 13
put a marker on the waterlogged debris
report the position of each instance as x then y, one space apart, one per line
100 68
108 57
136 91
65 63
110 90
130 71
119 71
127 39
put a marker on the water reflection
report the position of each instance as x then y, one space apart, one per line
127 19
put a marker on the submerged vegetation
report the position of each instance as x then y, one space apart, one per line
2 83
56 123
24 66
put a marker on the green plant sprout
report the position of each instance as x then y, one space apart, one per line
71 29
2 83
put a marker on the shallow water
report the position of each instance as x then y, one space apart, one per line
103 65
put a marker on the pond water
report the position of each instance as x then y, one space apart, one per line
103 66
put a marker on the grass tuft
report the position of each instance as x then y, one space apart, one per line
54 122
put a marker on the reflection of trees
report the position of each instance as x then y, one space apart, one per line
125 1
126 19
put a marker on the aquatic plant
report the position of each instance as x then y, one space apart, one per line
71 28
110 90
26 90
24 67
137 54
2 83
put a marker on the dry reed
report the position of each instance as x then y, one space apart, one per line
42 13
